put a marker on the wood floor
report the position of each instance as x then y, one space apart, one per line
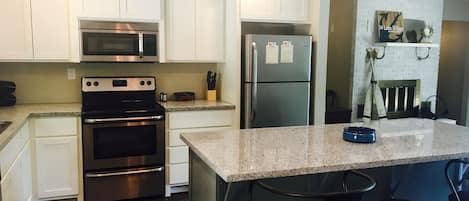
174 197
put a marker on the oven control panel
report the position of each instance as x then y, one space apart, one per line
102 84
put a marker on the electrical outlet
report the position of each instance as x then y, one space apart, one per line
71 74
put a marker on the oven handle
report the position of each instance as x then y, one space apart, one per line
92 121
99 175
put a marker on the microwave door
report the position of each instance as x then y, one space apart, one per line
119 47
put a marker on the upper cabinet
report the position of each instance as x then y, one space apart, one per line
16 36
101 8
51 37
126 10
35 33
195 31
296 11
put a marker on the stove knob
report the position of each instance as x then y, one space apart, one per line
88 83
142 83
148 82
96 83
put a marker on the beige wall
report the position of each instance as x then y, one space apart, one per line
454 48
339 61
48 83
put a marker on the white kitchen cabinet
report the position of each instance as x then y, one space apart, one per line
296 11
178 153
141 9
57 166
16 33
101 8
195 31
51 29
126 10
17 184
181 30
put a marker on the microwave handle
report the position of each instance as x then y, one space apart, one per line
140 44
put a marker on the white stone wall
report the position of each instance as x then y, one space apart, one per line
400 63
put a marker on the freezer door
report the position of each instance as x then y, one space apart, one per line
256 65
276 104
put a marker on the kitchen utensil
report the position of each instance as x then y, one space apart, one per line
211 80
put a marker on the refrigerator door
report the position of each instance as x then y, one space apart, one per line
276 104
264 62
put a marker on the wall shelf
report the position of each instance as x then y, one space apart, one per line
417 46
396 44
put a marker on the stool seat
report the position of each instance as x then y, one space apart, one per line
464 195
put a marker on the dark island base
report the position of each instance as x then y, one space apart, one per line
206 185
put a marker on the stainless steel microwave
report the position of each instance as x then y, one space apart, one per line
118 41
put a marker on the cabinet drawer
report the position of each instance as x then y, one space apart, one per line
13 148
56 126
175 135
179 174
200 119
178 155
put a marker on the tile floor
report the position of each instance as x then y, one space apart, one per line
174 197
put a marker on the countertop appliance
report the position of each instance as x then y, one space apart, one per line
123 139
276 81
118 41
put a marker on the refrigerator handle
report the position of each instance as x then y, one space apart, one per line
254 81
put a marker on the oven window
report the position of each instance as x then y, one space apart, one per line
110 44
119 142
149 45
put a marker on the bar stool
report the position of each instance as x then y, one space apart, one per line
345 195
456 195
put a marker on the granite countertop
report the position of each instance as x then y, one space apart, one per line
20 113
197 105
239 155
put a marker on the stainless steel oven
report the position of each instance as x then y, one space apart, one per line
123 142
118 41
123 133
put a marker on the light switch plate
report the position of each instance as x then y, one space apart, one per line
71 74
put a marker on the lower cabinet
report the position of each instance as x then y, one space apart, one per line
177 162
56 166
17 184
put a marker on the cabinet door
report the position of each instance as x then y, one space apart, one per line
148 10
51 29
294 10
101 8
181 30
57 166
209 34
260 9
16 35
17 184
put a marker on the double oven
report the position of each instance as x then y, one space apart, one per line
123 139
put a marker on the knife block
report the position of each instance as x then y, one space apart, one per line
211 95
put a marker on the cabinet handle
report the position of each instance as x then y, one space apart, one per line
99 175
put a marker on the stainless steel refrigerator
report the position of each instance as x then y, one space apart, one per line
276 81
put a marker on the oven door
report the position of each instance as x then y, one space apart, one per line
123 143
119 46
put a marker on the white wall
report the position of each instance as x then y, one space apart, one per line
400 63
230 71
456 10
320 32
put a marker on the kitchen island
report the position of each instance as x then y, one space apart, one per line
237 156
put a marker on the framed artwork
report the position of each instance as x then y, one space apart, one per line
390 26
